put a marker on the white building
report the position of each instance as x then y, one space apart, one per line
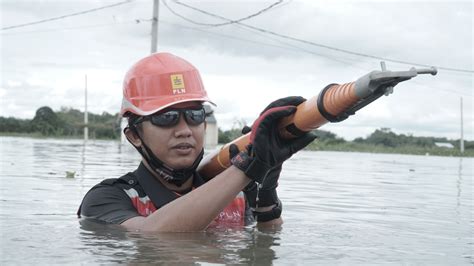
444 145
211 137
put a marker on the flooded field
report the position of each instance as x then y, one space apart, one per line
339 208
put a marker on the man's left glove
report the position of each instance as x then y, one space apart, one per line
262 195
267 193
267 149
265 137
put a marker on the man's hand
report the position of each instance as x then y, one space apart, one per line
263 158
267 149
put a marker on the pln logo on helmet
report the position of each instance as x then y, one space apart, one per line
177 84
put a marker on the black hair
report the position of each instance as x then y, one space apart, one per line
132 119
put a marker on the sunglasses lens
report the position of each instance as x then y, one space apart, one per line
165 119
170 118
195 117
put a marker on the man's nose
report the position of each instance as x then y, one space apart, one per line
182 128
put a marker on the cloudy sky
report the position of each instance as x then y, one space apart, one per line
244 68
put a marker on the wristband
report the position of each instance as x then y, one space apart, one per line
272 214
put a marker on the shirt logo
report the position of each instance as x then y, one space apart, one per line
177 84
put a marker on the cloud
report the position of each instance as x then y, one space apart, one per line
243 70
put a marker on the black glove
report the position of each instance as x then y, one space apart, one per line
258 197
267 194
271 180
265 155
291 100
251 190
267 149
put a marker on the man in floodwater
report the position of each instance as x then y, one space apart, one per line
163 98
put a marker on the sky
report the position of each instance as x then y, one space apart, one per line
244 69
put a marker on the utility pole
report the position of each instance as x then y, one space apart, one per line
154 26
86 129
461 145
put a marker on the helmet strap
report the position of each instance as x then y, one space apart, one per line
174 176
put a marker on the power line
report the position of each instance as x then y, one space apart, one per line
298 49
286 47
71 28
443 89
220 24
66 16
318 44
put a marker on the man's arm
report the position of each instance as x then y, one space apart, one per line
195 210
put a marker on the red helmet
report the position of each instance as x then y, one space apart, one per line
158 81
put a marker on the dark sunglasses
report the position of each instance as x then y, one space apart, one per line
171 117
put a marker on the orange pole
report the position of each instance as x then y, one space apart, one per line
307 117
334 103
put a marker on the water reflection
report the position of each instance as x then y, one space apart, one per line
339 208
246 245
458 184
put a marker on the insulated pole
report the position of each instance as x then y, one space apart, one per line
461 145
86 129
154 26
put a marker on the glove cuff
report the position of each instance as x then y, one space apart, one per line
267 197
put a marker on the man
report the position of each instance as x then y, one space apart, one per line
162 99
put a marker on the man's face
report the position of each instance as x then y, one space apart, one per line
177 146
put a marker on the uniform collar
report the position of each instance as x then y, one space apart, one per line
158 193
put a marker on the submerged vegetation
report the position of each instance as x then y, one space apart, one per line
69 123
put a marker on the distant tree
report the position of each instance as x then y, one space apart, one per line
228 135
468 145
46 122
328 137
323 134
383 137
386 137
14 125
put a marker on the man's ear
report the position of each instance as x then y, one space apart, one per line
132 137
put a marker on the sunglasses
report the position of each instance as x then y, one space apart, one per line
171 117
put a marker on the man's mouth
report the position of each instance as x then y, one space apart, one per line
183 146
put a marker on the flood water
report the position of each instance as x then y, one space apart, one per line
338 208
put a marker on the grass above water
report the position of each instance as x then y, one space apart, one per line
324 146
370 148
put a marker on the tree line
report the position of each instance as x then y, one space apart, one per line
382 137
67 122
